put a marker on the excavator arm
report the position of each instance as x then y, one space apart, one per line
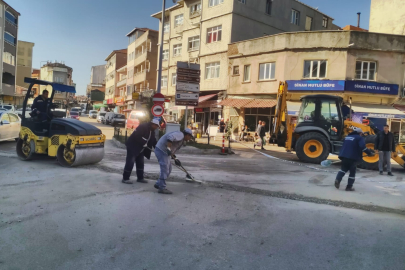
281 114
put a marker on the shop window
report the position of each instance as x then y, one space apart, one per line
315 69
366 70
266 111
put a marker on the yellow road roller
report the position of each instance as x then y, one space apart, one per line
71 141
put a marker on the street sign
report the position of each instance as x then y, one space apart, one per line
189 87
135 95
189 72
159 99
192 97
186 103
185 78
157 110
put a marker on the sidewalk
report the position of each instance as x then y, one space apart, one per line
262 171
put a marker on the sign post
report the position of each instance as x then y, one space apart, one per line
187 86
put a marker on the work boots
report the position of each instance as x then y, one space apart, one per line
350 188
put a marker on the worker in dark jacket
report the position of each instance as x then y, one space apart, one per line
40 105
385 144
351 152
139 145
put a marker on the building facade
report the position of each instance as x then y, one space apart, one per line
57 72
96 89
141 65
366 69
24 62
116 60
387 16
36 74
9 20
199 31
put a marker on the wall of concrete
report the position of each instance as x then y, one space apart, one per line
387 16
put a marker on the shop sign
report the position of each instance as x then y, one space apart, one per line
135 95
199 109
380 115
307 85
110 101
372 87
119 100
120 104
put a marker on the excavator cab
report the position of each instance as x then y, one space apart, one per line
322 113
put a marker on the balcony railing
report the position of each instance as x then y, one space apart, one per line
122 82
141 72
195 14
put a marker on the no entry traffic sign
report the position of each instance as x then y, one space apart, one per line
157 110
159 99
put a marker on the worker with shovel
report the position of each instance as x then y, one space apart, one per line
166 148
139 145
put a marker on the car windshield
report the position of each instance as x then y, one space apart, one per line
74 113
119 116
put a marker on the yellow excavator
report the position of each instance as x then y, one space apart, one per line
71 141
321 128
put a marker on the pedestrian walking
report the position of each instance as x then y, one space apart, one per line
139 145
385 144
257 128
166 148
350 153
259 140
262 134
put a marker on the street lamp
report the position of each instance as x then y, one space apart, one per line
159 85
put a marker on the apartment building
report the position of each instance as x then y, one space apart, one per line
9 20
199 31
141 64
115 60
364 68
387 16
96 89
36 74
57 72
24 62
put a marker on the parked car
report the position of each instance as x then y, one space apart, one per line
135 118
8 108
27 112
108 118
60 113
100 117
93 114
118 120
10 125
74 115
77 109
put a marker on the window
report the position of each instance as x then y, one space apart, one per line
8 58
329 110
177 50
246 74
242 1
195 9
315 69
178 20
193 43
269 4
236 70
307 111
295 17
165 55
325 22
212 70
11 18
214 2
166 27
174 78
164 81
214 34
308 23
9 38
366 70
267 71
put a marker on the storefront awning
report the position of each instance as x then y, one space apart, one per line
249 103
378 111
207 97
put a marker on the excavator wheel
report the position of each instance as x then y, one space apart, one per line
312 147
369 163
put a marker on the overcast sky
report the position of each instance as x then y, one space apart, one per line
84 32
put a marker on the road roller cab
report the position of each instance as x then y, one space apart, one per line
71 141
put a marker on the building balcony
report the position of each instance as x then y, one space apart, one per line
8 89
122 82
195 14
140 76
179 29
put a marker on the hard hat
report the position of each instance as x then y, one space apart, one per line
358 130
155 121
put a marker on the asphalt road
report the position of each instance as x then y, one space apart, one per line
59 218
